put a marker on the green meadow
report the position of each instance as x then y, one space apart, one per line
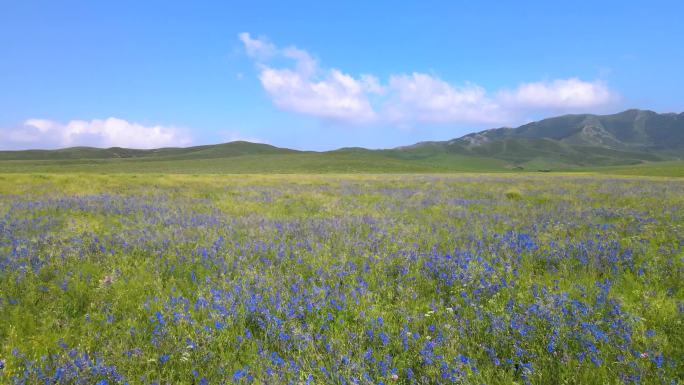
157 278
335 162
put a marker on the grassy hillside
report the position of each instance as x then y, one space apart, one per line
549 153
631 130
330 162
669 169
568 141
197 152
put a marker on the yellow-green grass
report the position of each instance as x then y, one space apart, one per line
87 261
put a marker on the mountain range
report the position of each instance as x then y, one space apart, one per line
559 143
629 137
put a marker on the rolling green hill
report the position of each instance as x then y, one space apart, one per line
197 152
632 142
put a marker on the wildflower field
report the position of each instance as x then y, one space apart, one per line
340 279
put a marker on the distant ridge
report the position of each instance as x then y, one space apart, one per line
627 137
564 142
236 148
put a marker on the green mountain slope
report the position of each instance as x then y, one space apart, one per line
629 137
631 129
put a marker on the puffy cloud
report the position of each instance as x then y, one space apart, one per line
306 89
111 132
337 96
424 98
306 64
559 94
303 87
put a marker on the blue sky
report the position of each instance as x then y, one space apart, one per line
312 75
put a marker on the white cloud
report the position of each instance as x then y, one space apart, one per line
111 132
337 96
424 98
305 88
306 64
559 93
257 48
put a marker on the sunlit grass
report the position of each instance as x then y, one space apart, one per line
342 279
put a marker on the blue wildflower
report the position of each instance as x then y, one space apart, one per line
384 338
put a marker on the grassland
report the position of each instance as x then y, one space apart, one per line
340 279
668 169
357 161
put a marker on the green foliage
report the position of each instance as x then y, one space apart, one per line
513 194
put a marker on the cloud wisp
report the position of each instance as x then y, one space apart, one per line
307 89
110 132
302 86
